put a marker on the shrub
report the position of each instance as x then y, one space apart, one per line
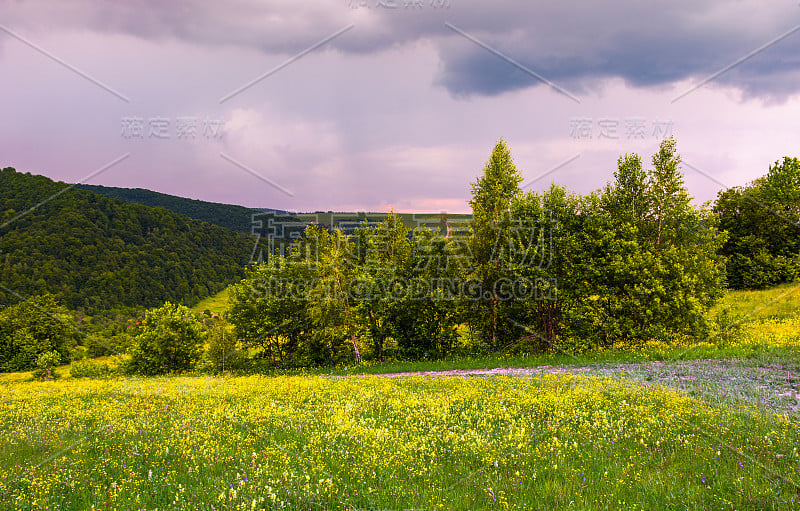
31 328
170 340
222 352
88 368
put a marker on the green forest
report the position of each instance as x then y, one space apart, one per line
94 253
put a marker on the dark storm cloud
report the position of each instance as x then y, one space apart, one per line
576 45
647 44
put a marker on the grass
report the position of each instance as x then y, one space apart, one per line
777 302
549 442
216 304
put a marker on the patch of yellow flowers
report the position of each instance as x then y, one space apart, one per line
553 441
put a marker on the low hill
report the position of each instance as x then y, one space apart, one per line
230 216
95 252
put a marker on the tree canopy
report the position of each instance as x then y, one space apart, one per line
96 253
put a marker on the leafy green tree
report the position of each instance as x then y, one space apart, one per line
628 200
223 347
763 221
387 257
661 268
33 327
492 197
633 262
543 293
425 317
332 309
46 364
269 309
669 200
171 340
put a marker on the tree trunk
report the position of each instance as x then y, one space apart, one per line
355 348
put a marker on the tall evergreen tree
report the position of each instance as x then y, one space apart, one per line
492 196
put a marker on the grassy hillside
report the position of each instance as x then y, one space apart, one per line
216 303
777 302
235 218
96 253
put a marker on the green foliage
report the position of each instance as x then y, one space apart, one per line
31 328
269 317
627 198
762 220
423 322
88 368
170 340
633 263
492 197
669 201
335 272
97 253
223 351
45 365
336 297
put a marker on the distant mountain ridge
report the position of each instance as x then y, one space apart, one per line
229 216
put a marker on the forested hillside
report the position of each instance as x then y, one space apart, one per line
235 218
95 252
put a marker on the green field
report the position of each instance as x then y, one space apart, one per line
550 442
216 304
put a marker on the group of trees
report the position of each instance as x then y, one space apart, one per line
229 216
335 297
40 333
632 261
33 328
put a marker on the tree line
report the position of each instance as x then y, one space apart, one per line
633 261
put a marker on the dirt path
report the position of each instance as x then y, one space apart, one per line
774 387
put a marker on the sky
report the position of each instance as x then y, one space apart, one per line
367 105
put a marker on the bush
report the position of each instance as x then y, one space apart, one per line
88 368
170 340
728 327
79 353
29 329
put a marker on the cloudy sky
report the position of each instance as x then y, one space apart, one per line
371 104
